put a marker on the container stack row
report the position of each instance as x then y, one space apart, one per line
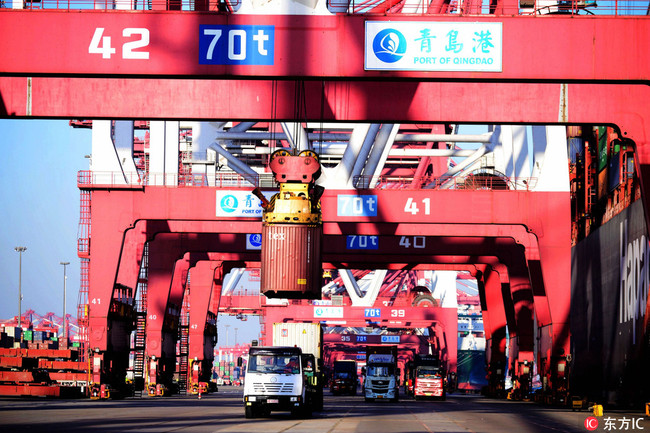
225 370
33 363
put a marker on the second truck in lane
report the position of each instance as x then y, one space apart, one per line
381 375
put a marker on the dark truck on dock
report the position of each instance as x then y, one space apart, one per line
344 377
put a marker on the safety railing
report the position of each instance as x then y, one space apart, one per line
485 7
362 7
474 181
227 6
87 179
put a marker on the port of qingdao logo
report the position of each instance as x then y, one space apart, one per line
389 45
256 240
229 203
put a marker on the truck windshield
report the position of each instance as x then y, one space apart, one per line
381 370
428 373
272 363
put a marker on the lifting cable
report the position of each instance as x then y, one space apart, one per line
274 114
322 114
299 108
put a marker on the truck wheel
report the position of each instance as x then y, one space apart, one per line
369 400
249 412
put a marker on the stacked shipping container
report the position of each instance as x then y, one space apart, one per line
225 364
31 363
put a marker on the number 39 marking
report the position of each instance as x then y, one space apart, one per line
100 44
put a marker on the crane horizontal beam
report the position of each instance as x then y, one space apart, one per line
102 43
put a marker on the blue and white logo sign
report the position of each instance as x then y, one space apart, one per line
238 203
254 241
433 46
328 312
389 45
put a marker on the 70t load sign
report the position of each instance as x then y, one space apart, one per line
236 45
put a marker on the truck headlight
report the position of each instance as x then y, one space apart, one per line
251 398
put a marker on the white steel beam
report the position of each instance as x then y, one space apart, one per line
359 299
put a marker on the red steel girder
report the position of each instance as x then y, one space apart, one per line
166 252
491 281
414 225
205 297
443 320
573 47
146 230
409 101
155 203
390 317
206 275
113 216
519 299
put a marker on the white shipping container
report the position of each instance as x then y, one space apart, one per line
14 331
307 336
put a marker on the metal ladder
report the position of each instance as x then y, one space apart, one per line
139 343
184 338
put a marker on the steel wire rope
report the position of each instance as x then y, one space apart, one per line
274 113
299 108
322 114
296 115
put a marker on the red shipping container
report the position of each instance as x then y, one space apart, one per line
291 261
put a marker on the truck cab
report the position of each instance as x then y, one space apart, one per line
344 377
278 378
381 375
426 378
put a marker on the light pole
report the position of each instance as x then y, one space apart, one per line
227 326
236 336
65 279
20 272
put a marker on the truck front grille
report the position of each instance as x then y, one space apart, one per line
380 385
273 388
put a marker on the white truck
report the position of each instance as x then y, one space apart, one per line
381 375
285 377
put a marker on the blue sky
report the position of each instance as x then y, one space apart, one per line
39 204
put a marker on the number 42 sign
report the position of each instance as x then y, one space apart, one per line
134 40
